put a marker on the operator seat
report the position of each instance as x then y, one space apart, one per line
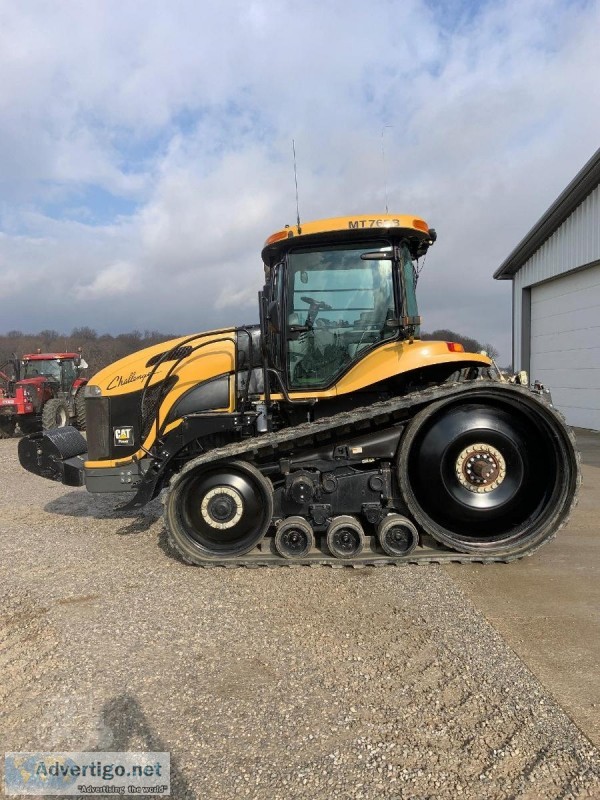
296 345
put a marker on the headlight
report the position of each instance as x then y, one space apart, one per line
27 395
92 391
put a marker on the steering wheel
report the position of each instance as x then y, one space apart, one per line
317 305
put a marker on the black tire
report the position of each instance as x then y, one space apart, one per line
493 473
55 414
31 424
80 410
7 427
294 538
345 537
218 511
397 535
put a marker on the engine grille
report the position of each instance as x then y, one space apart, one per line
97 420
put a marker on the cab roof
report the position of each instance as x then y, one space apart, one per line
354 228
48 356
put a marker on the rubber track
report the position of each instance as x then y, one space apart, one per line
352 423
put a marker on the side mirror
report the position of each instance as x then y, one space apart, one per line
273 316
77 361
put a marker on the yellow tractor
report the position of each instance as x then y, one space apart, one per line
329 433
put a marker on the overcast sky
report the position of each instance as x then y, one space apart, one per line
145 147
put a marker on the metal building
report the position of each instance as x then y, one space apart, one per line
555 272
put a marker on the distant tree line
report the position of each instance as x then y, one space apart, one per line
470 345
99 350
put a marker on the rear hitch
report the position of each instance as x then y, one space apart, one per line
58 454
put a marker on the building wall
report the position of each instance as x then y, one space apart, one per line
565 343
574 245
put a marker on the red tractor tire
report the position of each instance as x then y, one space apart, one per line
7 427
30 424
55 414
80 409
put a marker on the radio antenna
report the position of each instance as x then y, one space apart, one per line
296 182
384 166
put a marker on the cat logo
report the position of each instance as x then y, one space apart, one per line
124 436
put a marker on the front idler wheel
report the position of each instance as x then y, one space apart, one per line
345 537
219 511
493 472
294 538
397 535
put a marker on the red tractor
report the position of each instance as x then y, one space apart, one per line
45 391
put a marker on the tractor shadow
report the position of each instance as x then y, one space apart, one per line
95 507
131 730
99 507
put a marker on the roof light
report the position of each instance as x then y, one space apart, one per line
455 347
277 237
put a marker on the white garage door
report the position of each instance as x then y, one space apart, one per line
565 344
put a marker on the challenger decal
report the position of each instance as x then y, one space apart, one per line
120 380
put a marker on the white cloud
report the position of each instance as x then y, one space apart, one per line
149 147
230 297
117 280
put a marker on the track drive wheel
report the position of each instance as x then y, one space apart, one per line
7 427
55 414
493 472
397 535
218 511
294 538
345 537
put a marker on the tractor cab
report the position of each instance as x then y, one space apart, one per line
338 289
59 369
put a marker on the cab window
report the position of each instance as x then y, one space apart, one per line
337 307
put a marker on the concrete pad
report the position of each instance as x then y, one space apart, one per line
589 446
547 607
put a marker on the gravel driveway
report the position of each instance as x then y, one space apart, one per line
268 683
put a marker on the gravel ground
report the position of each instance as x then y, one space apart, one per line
267 683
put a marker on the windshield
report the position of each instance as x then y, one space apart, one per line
337 306
49 368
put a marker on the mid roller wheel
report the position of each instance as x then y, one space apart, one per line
397 535
345 537
294 538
